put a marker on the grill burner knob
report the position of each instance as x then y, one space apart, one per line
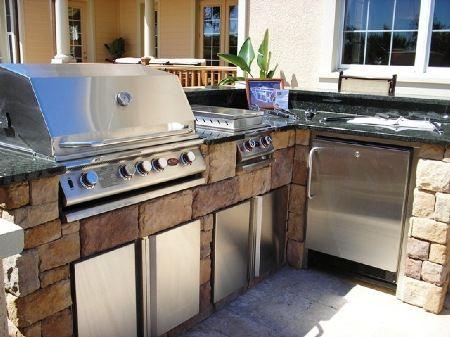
187 158
144 167
127 171
265 141
89 179
249 145
159 164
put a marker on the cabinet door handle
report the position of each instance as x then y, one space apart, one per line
310 166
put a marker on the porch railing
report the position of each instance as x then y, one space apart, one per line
198 76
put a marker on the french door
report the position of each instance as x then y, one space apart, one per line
78 30
218 29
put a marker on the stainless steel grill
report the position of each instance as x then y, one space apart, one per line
116 128
256 149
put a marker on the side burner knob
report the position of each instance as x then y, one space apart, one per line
187 158
89 179
250 144
159 164
265 141
127 171
144 167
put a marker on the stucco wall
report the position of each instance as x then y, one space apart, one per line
106 26
38 31
295 29
128 26
177 28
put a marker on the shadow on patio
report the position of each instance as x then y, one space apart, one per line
312 303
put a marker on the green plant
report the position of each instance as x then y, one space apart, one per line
116 48
246 57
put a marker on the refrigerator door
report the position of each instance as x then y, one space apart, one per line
269 231
105 292
172 278
231 253
356 201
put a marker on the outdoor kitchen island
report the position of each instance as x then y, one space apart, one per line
40 283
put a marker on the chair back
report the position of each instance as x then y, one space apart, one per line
367 85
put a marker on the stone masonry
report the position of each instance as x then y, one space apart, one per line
38 281
426 277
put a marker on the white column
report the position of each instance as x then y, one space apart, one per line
62 33
4 46
149 28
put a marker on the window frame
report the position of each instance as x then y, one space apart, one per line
420 66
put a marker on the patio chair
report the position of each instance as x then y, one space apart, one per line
367 85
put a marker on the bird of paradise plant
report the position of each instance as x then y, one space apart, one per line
245 58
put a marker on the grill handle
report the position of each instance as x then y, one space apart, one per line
109 142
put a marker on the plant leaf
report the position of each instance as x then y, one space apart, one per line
263 55
271 73
236 60
231 80
247 53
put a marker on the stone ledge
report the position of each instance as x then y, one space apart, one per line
11 239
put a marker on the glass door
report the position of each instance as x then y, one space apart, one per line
219 29
78 31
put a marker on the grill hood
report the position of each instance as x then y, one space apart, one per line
72 111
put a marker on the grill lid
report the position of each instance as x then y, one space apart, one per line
71 110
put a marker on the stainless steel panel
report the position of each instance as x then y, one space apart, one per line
173 292
231 252
110 182
105 291
357 202
269 227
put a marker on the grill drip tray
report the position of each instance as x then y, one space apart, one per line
227 119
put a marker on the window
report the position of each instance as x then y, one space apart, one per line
440 35
387 33
219 30
381 32
12 30
156 34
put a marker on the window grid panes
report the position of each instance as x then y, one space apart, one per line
76 38
211 34
440 35
380 32
156 34
233 30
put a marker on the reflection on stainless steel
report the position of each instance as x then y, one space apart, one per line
356 201
227 118
105 288
171 276
231 250
101 121
269 216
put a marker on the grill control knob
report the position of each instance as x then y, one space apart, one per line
89 179
159 164
187 158
127 171
144 167
265 141
250 144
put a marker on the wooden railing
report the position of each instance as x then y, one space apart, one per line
198 76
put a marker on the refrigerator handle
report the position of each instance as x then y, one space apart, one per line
310 166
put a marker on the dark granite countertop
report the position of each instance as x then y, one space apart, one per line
18 166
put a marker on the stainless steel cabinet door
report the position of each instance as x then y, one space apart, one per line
269 231
173 278
231 251
105 291
358 196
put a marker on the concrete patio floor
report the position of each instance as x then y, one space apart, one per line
313 303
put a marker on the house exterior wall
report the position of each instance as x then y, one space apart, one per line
38 31
177 26
295 37
129 26
106 26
